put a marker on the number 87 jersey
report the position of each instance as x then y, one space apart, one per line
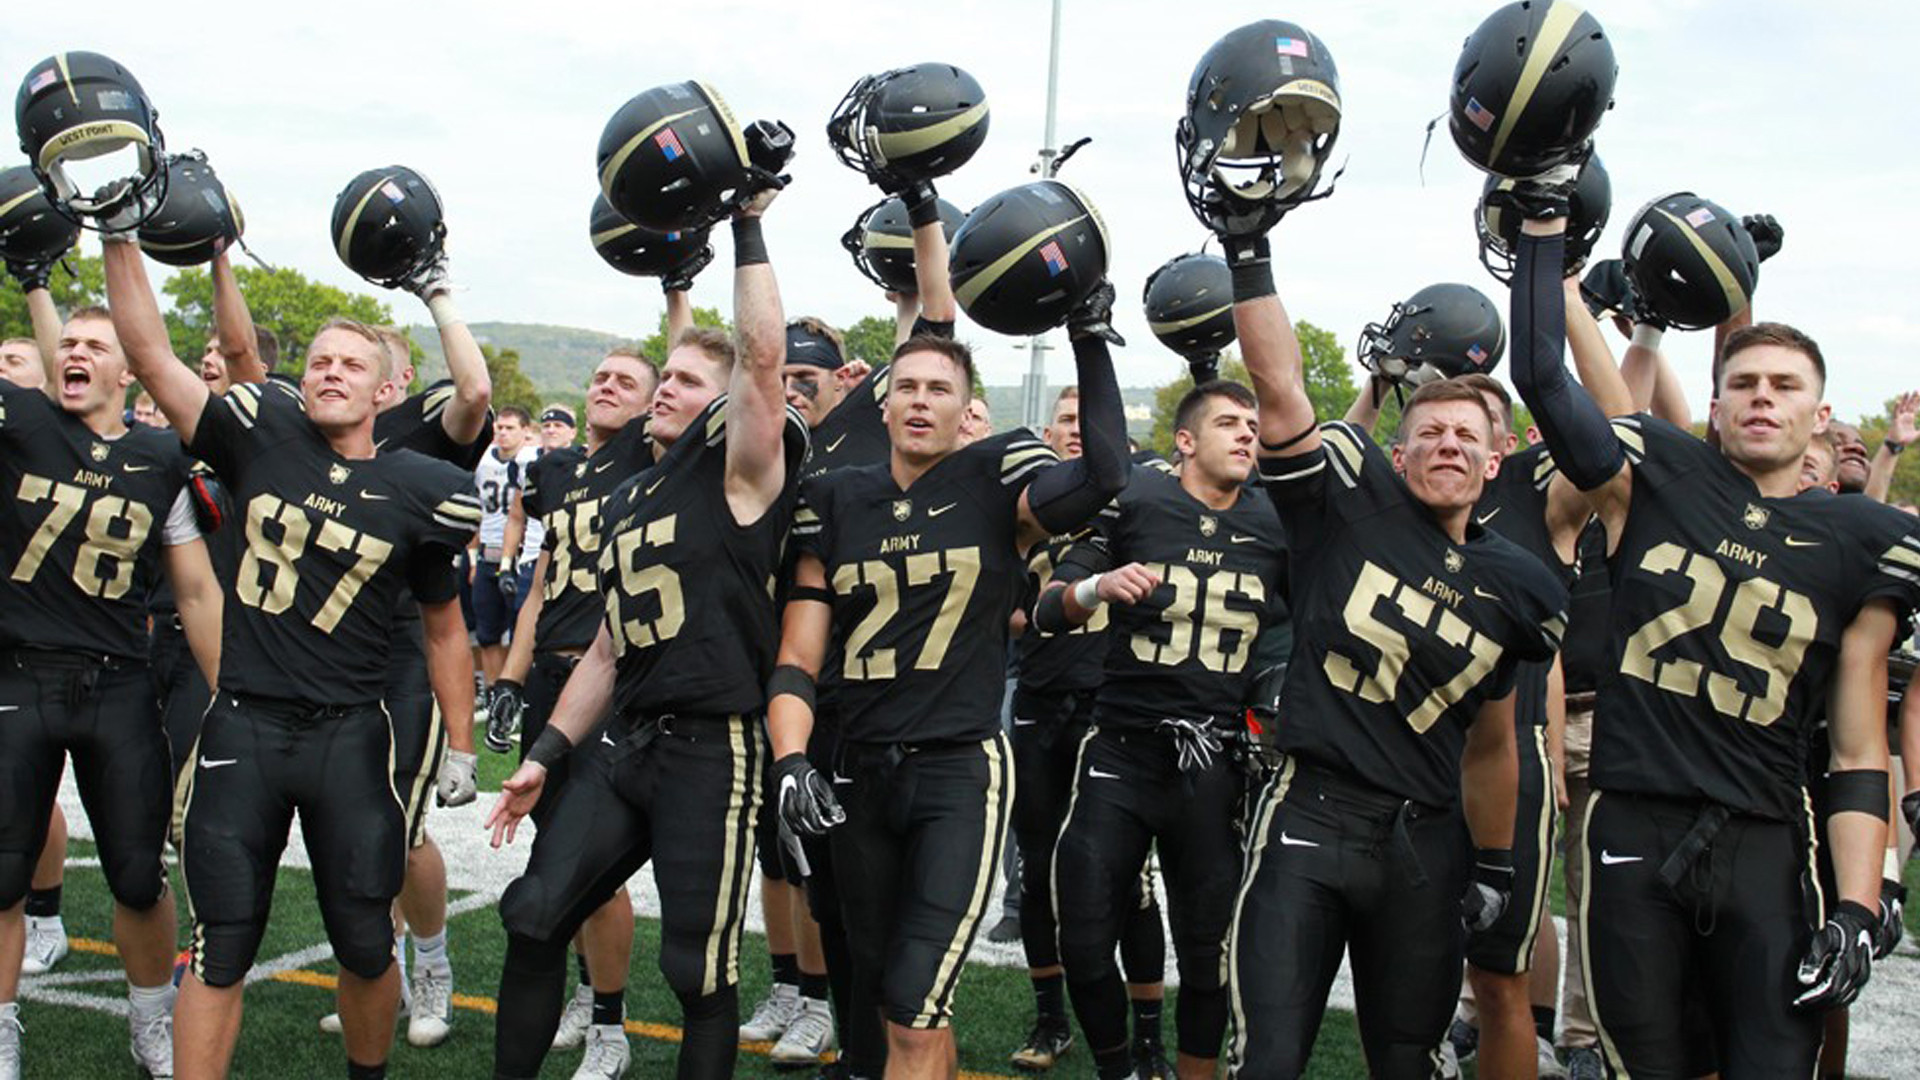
1726 623
1400 634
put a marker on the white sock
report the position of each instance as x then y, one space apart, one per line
430 953
49 921
400 953
150 1000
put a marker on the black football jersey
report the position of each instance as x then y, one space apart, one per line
688 590
855 432
565 489
1728 610
415 424
1584 653
80 526
923 583
1060 663
1400 634
1185 651
328 546
1514 505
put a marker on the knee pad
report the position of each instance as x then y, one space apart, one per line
138 887
223 952
364 944
525 910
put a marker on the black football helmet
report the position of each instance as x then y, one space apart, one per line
1607 291
1588 208
674 159
1026 257
80 105
638 250
1263 111
388 225
1440 332
1189 302
1530 87
1691 262
197 220
881 242
910 124
32 232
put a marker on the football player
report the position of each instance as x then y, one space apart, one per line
922 554
1901 431
1052 709
334 537
94 510
1852 452
1391 823
20 363
556 427
1189 564
688 548
239 351
498 580
1740 606
565 490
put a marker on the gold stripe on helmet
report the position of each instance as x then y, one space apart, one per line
1737 299
8 207
619 159
345 239
66 77
893 146
1187 323
1554 28
981 282
734 132
614 233
886 240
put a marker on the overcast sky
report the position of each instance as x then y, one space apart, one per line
1761 106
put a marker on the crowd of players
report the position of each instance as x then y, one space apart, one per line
763 618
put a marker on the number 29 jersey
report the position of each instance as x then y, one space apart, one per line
1728 610
923 582
327 546
1400 634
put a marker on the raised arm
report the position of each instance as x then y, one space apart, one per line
1593 361
1900 432
466 414
937 305
1271 349
1365 409
906 311
679 313
756 397
1067 494
233 330
176 389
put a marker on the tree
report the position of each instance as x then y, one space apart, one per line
78 280
510 385
656 346
870 339
284 301
1329 381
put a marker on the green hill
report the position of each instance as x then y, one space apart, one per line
557 358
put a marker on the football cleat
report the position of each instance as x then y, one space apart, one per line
152 1044
607 1053
809 1038
1150 1060
774 1014
10 1029
1584 1063
1549 1062
46 945
432 1018
1046 1044
575 1019
1464 1038
1006 930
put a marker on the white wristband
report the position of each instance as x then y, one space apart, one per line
1890 866
440 304
1647 336
1086 592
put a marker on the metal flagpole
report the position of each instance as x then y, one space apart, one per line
1034 412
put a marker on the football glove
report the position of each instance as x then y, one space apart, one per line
1840 959
1768 234
30 275
121 222
1195 741
458 784
1488 890
505 708
430 280
1546 196
1893 902
508 578
1093 316
807 805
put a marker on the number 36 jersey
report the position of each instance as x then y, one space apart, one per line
923 582
328 546
1400 634
81 519
1728 610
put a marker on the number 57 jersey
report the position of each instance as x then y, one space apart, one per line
1400 634
328 550
1727 616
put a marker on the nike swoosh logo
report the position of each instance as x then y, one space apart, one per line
1294 841
603 467
835 444
1608 858
938 510
1488 516
608 739
1794 541
1483 594
209 763
1017 722
9 708
371 497
838 779
1242 539
135 468
1095 773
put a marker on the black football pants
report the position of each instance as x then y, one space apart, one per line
1506 948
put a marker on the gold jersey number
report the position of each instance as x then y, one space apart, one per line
1041 566
1382 684
1777 664
637 581
1198 619
270 569
960 566
115 530
575 529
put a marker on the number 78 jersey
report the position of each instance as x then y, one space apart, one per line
1728 609
1400 634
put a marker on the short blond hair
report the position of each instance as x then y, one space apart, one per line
374 335
716 344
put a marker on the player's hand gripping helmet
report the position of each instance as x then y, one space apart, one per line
1440 332
197 220
1691 262
881 243
32 232
1189 302
643 252
910 124
1263 111
1607 292
1025 258
80 105
1588 207
674 159
1530 87
388 226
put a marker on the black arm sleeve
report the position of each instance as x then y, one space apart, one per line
1067 495
1050 612
1584 445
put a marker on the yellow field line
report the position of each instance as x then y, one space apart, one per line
476 1003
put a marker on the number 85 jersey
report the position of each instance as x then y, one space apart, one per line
1728 610
1400 634
328 550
